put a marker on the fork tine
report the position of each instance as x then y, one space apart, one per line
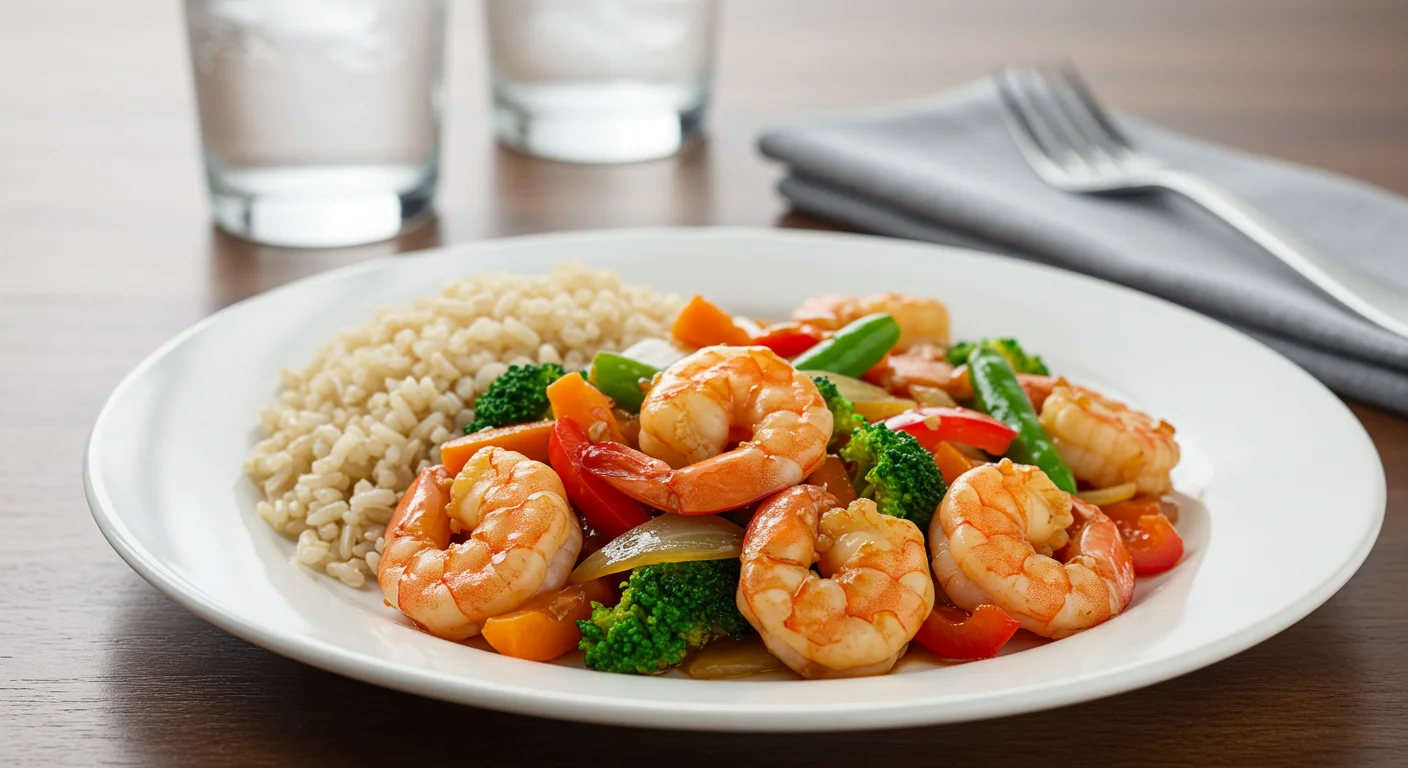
1074 115
1048 96
1074 85
1033 131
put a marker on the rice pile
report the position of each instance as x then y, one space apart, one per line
350 431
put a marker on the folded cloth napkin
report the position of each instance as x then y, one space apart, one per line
945 170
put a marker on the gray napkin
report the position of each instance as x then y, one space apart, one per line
946 170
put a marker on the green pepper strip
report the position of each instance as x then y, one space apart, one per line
619 378
997 392
854 349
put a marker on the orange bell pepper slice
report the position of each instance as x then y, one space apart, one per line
573 397
703 324
545 627
529 439
952 462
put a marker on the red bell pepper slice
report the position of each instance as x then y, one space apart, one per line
952 634
789 339
605 509
932 426
1154 545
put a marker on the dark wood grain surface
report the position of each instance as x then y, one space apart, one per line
106 250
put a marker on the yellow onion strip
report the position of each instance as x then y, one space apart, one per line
931 396
730 659
871 402
665 539
1112 495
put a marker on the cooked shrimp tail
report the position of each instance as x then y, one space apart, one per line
1003 535
856 613
698 407
523 539
729 481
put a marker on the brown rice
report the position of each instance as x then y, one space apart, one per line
350 431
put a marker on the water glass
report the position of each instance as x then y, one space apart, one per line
320 119
600 81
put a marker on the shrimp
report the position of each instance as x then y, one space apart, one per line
857 616
695 409
1003 535
922 365
523 540
1107 443
921 320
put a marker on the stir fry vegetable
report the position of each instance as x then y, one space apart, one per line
529 439
932 426
606 509
518 395
1112 495
789 339
1009 348
572 397
952 634
1153 543
703 324
894 470
997 392
666 611
833 477
664 539
870 402
854 349
953 462
622 379
844 418
731 658
545 627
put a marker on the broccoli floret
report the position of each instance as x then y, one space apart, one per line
666 611
892 468
845 420
1020 361
517 396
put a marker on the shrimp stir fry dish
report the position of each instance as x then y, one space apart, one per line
822 494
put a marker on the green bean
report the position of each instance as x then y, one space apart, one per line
619 378
997 392
854 349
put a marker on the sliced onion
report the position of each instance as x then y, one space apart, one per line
872 403
730 658
1111 495
931 396
665 539
855 390
655 352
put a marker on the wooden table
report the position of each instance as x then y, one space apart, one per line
106 250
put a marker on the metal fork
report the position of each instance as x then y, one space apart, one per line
1073 145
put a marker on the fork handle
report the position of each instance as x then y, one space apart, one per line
1361 293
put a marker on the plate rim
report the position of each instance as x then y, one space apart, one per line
615 710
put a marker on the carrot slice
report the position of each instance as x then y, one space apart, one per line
529 439
952 462
703 324
832 476
572 397
545 627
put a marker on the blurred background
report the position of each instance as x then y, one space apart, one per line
98 118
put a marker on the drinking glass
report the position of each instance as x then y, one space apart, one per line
320 119
600 81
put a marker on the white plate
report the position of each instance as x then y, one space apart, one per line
1268 543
